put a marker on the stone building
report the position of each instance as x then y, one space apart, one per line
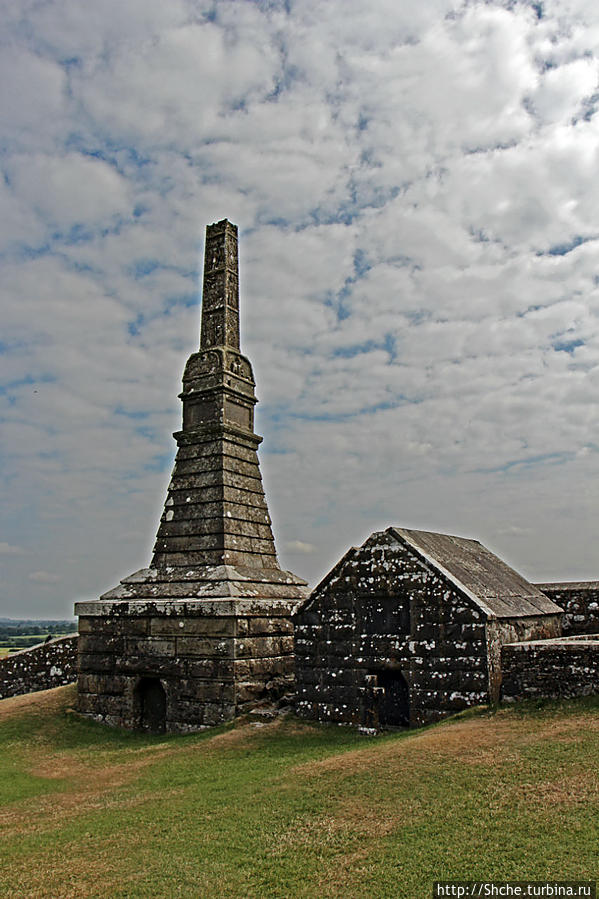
408 628
205 632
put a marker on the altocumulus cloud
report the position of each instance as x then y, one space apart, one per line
417 196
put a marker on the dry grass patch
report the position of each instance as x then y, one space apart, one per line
40 703
476 741
580 788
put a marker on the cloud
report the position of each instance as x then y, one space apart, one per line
298 546
7 550
162 105
32 99
417 199
69 190
44 577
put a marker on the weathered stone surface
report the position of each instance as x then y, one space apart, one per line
580 602
212 557
150 646
40 667
264 668
193 627
249 606
111 626
265 626
95 683
215 647
561 668
206 630
263 647
106 642
96 663
397 635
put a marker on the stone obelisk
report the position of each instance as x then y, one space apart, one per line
215 512
204 633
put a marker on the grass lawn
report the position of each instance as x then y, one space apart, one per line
292 810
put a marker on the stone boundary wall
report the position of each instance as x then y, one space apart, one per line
39 667
580 602
556 669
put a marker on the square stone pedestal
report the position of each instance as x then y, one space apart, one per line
182 665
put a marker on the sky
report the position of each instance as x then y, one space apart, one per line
416 190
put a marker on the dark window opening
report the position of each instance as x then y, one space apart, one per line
152 705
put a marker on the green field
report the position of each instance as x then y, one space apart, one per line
286 809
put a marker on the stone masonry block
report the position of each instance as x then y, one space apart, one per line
203 690
101 643
251 669
250 691
263 647
206 647
113 625
151 666
102 683
96 663
217 668
269 626
150 646
192 627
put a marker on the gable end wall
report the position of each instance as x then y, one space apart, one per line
385 608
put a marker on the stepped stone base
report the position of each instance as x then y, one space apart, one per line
178 651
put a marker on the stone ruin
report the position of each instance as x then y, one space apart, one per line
205 633
405 629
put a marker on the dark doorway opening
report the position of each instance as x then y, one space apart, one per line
394 700
152 705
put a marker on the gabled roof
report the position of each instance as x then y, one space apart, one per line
499 590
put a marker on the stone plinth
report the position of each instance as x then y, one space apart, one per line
210 643
213 659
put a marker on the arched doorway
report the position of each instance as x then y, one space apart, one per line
152 705
394 701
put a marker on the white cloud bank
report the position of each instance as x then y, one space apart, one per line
417 196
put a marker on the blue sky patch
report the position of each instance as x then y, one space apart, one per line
562 249
567 346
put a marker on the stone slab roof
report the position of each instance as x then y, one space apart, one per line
498 589
207 590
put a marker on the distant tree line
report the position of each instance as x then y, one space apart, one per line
41 628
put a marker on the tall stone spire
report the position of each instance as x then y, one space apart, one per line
216 512
206 632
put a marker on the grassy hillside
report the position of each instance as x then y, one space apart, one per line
289 810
